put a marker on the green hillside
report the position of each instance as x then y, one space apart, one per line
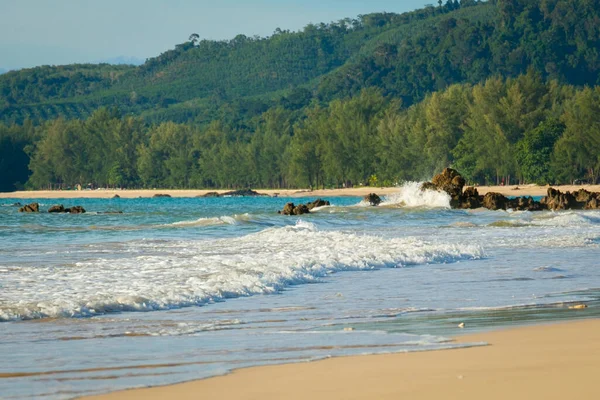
503 90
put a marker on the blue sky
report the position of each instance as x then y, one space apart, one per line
52 32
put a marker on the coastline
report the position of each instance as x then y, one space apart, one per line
527 190
553 361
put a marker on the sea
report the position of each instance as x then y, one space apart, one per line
153 291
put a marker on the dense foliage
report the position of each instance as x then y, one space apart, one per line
516 129
503 91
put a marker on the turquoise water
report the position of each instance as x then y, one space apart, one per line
178 289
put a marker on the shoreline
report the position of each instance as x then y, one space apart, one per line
550 361
527 190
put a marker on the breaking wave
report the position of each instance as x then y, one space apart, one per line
174 274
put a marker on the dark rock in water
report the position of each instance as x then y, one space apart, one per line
116 196
582 199
494 201
470 199
292 209
450 181
161 195
211 194
524 204
16 205
372 199
30 208
317 203
244 193
110 212
75 210
301 209
288 209
57 209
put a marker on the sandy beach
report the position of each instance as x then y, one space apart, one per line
558 361
527 190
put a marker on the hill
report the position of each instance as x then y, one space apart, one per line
407 55
503 90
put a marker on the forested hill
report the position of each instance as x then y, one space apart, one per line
502 90
406 55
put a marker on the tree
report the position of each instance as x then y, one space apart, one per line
534 152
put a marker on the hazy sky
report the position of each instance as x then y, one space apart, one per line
39 32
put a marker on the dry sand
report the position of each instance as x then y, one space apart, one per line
528 190
559 361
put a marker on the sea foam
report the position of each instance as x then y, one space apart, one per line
174 274
411 195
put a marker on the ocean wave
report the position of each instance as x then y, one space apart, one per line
223 220
410 195
174 274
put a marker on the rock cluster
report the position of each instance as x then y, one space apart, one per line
236 193
30 208
61 209
159 195
451 182
292 209
580 200
35 207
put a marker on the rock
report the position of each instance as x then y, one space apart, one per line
288 209
556 200
317 203
524 204
450 181
158 195
301 209
116 196
494 201
470 199
372 199
75 210
57 209
244 193
292 209
211 194
16 204
593 204
30 208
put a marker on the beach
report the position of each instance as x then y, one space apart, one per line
152 292
526 190
558 361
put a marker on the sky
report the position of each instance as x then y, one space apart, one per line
55 32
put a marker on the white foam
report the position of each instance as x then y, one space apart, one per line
411 195
173 274
223 220
568 219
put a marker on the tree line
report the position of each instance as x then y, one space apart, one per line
513 130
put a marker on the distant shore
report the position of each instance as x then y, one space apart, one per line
526 190
558 361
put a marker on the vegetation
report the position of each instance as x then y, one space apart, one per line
503 90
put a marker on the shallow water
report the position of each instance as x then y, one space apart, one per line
179 289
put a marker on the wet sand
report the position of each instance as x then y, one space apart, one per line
528 190
559 361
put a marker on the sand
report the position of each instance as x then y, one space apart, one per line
528 190
560 361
